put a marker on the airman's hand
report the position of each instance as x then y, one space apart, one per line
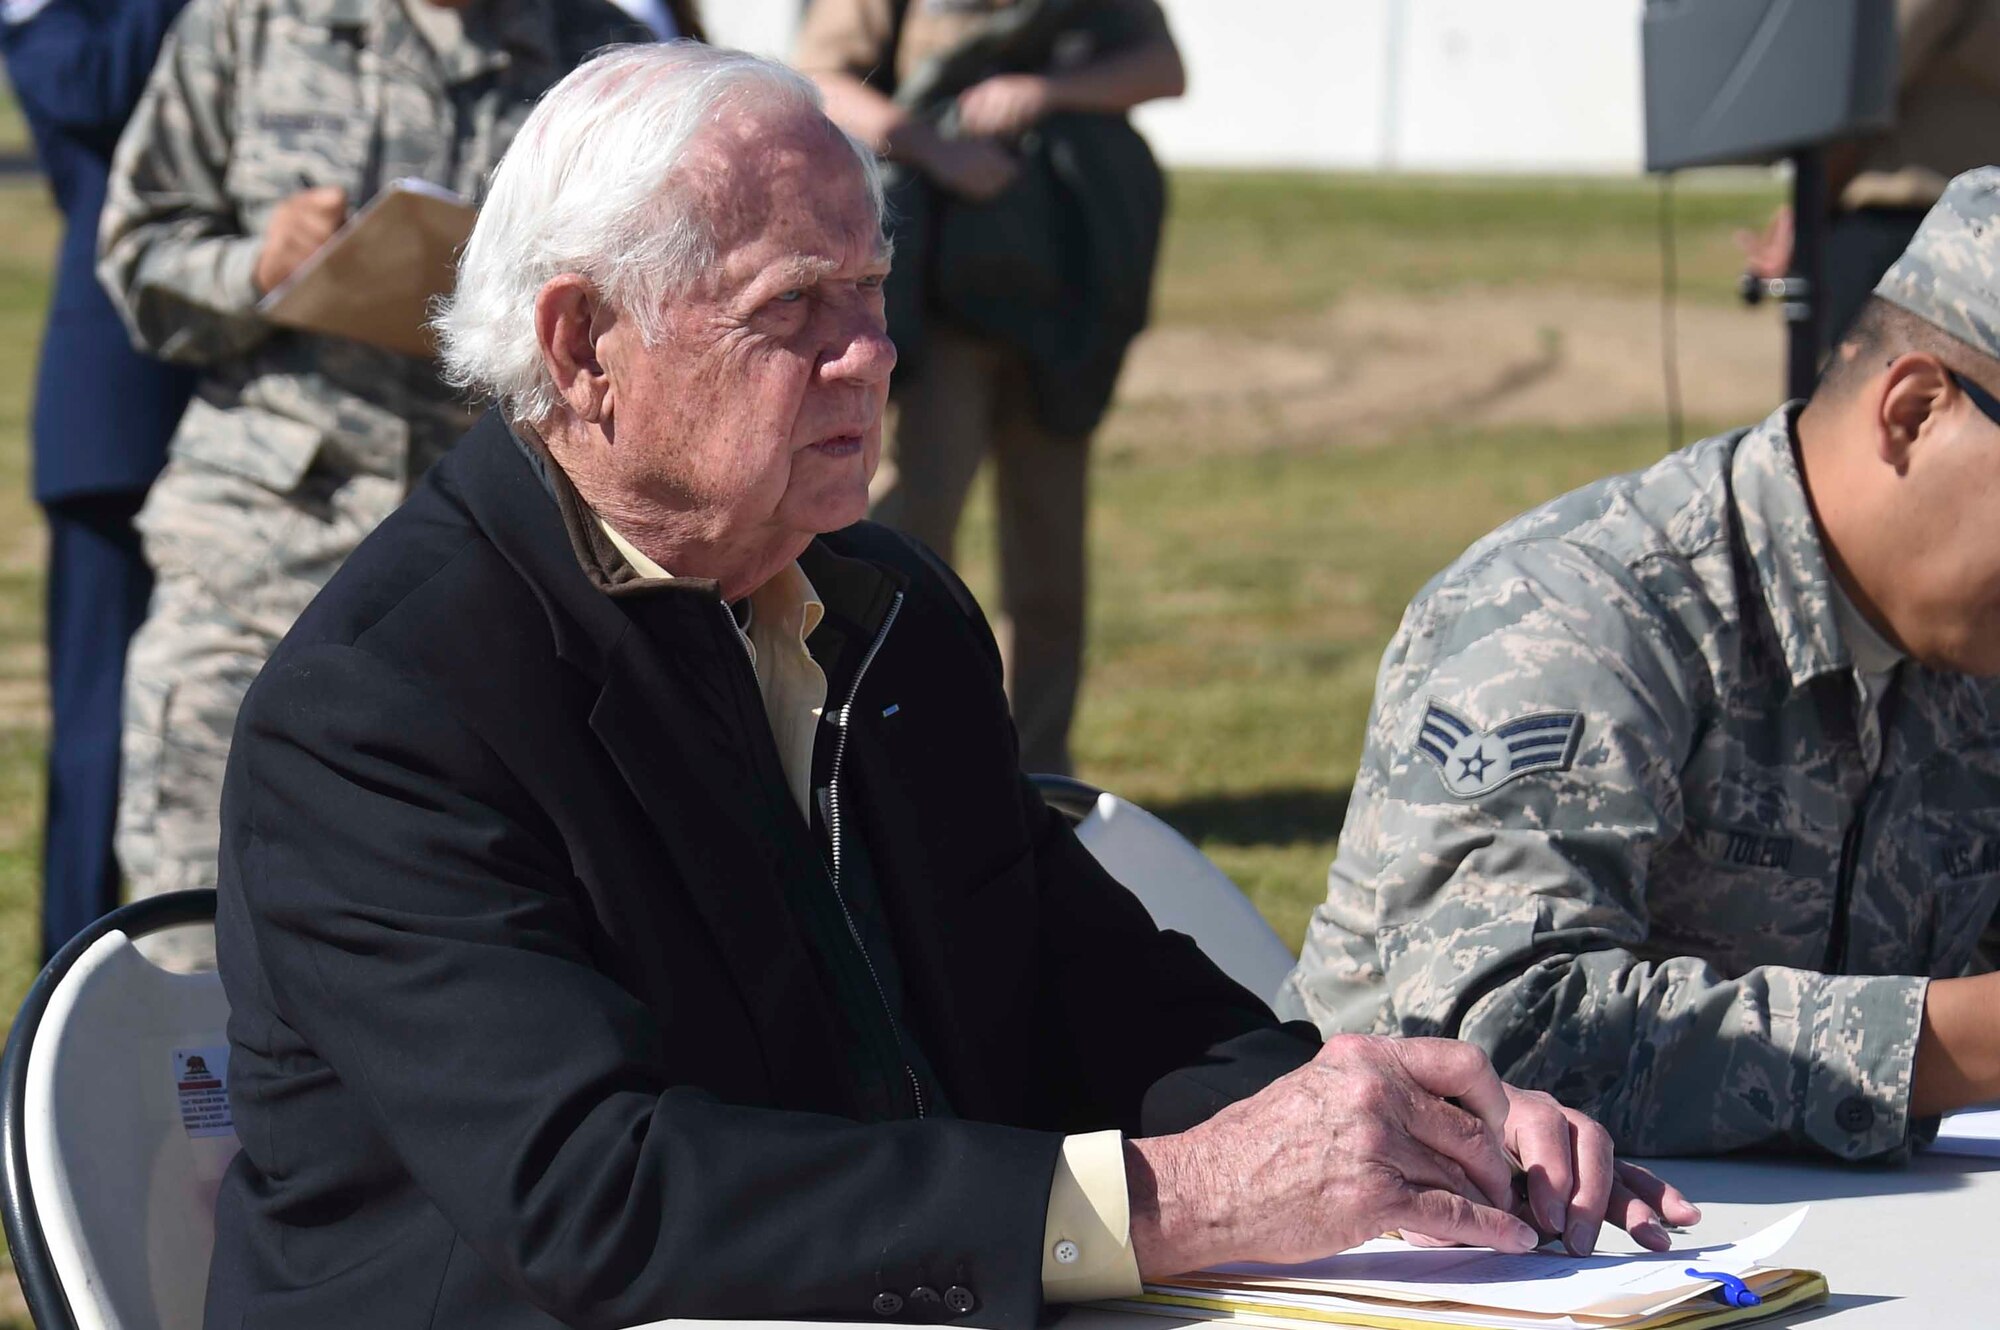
298 226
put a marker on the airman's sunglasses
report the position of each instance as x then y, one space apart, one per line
1988 404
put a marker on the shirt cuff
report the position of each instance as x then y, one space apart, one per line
1087 1242
236 275
1863 1047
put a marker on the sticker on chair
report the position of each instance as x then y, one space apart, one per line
201 1083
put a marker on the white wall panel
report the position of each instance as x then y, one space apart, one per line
763 26
1551 85
1277 83
1427 85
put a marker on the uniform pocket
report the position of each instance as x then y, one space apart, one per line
268 449
302 117
214 528
1961 864
1744 895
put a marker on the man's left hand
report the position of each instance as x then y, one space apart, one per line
1004 105
1573 1184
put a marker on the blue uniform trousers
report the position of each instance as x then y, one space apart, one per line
98 586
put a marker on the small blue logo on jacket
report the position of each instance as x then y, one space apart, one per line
1472 761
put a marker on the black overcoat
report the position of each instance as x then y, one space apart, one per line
524 1030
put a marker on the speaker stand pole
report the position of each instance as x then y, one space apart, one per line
1805 303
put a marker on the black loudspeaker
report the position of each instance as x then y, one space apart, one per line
1756 80
1752 81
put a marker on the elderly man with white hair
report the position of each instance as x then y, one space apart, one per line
631 907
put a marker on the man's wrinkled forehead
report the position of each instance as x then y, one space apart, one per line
781 185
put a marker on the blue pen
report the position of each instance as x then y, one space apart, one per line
1734 1292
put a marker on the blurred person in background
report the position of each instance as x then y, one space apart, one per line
668 20
102 416
265 123
1947 121
1028 214
1681 793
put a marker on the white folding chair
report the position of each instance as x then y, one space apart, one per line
115 1128
1179 885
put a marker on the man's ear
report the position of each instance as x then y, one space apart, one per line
567 323
1912 393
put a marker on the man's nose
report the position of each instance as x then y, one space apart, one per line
862 353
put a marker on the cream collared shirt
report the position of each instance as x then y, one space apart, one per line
1087 1238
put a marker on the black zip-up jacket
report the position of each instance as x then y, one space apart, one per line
526 1027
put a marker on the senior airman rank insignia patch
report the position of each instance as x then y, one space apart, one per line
1472 761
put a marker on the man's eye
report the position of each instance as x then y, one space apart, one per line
873 283
791 297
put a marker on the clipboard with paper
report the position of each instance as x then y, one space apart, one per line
1392 1285
375 278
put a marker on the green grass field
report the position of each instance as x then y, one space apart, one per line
1245 578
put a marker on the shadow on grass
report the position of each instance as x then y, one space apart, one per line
1257 817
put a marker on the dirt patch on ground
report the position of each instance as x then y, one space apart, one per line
1372 366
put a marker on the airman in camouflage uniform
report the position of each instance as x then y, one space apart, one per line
1650 811
296 445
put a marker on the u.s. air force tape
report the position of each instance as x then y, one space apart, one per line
1472 761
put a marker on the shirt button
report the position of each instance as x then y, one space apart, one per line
1067 1252
887 1303
1854 1114
925 1300
959 1298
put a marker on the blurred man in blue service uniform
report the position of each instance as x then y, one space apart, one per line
102 417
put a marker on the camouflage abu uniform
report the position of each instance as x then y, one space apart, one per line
1615 821
296 445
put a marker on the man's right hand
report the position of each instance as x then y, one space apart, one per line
298 226
973 168
1768 253
1359 1141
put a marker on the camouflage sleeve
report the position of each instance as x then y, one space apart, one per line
170 248
1522 766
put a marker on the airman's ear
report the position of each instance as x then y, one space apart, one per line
567 325
1912 394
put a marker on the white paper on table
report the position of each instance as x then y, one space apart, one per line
1973 1132
1544 1283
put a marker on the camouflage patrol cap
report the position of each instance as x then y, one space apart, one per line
1950 274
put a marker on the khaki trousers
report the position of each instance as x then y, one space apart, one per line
973 400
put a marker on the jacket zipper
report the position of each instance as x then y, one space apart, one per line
1850 849
833 818
840 721
749 652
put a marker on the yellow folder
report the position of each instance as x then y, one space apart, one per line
375 279
1781 1291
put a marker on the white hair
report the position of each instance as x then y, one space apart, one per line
588 187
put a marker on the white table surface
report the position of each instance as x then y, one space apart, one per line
1910 1248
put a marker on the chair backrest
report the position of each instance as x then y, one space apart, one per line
1179 885
117 1128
